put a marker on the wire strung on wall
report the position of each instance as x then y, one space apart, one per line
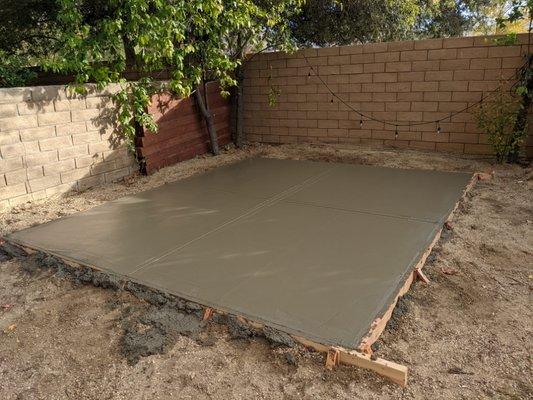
396 124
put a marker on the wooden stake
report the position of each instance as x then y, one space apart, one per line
208 313
379 324
338 355
485 176
395 372
332 358
420 275
335 355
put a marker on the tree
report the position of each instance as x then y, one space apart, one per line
497 19
183 37
194 41
449 18
268 29
342 22
97 41
264 25
27 33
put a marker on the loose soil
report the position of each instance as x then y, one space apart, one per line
465 335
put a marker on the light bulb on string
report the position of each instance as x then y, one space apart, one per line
396 133
315 71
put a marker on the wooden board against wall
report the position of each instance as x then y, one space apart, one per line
182 133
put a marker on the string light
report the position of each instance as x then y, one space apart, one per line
396 133
361 123
408 123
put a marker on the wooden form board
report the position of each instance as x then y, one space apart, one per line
378 326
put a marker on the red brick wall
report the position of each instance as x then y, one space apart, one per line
182 132
399 81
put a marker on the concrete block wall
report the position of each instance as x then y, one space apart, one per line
399 82
52 141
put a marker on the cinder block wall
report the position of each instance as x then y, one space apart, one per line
52 142
399 81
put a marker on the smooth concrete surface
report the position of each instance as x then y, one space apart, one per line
311 248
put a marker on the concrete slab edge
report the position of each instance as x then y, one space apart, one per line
379 324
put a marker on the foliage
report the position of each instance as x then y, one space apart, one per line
13 70
273 93
186 38
448 18
200 40
28 27
519 13
498 19
132 101
497 118
27 33
268 28
341 22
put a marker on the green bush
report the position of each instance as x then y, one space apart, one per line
497 118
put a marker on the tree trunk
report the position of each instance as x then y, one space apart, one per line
129 53
521 119
239 135
208 118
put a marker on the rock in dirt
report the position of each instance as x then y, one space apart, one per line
449 271
136 344
291 360
458 371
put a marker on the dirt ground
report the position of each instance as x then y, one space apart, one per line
465 335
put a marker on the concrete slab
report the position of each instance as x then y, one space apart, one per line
314 249
417 194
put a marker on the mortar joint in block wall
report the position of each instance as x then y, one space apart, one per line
420 82
45 148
